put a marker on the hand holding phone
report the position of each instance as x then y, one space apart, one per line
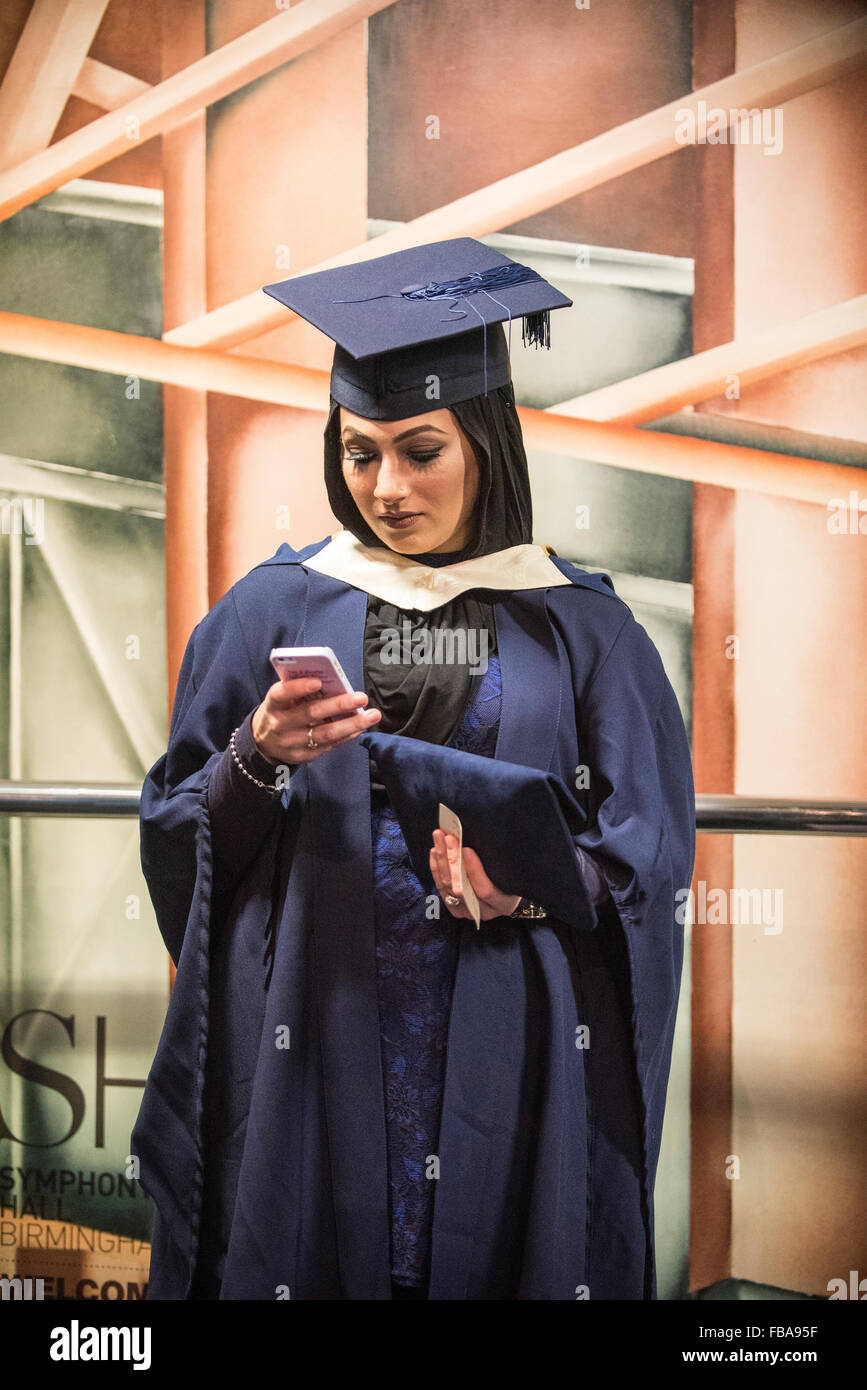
311 709
312 663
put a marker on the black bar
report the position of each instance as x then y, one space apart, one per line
715 815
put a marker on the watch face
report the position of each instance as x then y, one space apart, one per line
528 909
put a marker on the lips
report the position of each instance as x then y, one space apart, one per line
398 520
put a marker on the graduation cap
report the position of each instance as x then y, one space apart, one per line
519 820
422 328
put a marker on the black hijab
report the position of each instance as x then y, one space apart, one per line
426 700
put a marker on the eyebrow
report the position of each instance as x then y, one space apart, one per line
352 433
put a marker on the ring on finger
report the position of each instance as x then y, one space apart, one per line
311 742
450 900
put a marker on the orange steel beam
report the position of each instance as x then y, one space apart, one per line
41 73
250 56
125 354
698 378
695 460
621 446
564 175
105 86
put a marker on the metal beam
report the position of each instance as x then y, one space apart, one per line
107 87
694 460
246 58
723 815
126 354
652 394
123 690
41 74
305 388
86 487
563 176
69 799
762 815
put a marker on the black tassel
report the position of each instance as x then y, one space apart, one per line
537 329
499 277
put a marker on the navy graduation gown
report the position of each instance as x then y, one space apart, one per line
267 1163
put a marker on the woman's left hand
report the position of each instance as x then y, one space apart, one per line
447 870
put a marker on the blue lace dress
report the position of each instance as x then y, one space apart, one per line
416 956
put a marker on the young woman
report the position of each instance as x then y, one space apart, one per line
359 1095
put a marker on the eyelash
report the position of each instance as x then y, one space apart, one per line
420 459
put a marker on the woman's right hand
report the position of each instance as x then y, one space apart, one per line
290 708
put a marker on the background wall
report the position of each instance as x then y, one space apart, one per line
82 635
785 1099
676 257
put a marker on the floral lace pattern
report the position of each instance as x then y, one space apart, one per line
416 957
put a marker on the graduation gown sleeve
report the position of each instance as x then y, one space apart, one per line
216 693
181 826
641 833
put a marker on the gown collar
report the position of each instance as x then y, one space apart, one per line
407 584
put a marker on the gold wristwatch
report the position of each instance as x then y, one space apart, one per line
527 909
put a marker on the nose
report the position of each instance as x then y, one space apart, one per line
390 479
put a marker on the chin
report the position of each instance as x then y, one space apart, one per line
410 545
405 545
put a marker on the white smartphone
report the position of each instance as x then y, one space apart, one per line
320 663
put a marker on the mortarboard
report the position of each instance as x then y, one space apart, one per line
421 328
519 820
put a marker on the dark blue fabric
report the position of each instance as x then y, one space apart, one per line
416 956
503 807
268 1165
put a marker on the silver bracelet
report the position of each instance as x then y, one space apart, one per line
271 788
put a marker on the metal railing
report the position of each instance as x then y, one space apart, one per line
720 815
69 798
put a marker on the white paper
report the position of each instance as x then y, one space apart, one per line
450 823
